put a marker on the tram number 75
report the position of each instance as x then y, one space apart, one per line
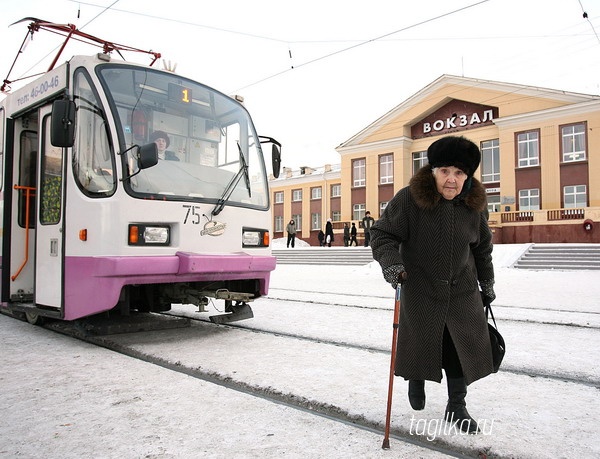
192 215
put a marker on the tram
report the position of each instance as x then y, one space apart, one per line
128 188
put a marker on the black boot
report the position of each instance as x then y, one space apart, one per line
416 394
456 410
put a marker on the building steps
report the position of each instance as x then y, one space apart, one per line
560 257
324 255
539 256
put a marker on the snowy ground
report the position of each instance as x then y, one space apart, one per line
66 399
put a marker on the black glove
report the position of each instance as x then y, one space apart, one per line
487 291
395 274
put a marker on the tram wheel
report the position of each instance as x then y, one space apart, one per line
33 318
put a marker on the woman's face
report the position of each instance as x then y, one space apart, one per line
449 181
161 144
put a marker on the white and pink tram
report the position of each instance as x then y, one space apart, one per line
97 217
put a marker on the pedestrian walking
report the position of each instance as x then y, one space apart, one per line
291 233
367 223
328 233
434 239
346 234
321 238
353 235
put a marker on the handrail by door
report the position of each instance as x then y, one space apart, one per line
28 193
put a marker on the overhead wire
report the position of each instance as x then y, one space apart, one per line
478 82
365 42
296 66
386 36
179 21
109 7
585 16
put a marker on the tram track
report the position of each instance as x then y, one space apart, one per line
283 323
564 377
296 399
314 407
390 298
581 379
590 314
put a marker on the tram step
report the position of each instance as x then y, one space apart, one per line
102 325
239 312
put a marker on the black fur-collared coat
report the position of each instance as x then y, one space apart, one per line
445 247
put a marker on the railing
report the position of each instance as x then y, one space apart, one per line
542 215
511 217
566 214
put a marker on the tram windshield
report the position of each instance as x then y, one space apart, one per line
208 148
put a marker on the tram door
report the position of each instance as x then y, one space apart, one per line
20 276
50 220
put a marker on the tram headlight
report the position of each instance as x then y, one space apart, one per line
254 237
149 235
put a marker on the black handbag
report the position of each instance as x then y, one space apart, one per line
496 340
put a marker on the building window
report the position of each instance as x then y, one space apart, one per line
382 206
573 142
359 172
490 161
386 169
529 199
419 160
493 203
336 190
298 220
528 149
278 197
315 193
279 224
336 216
575 196
358 211
296 195
315 221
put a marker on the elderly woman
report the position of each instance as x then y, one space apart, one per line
434 239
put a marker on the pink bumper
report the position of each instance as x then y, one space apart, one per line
93 284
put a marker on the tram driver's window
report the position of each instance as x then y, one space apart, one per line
93 161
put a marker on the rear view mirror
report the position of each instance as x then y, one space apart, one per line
275 153
276 159
62 124
147 156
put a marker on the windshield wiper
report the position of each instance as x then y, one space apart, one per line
233 183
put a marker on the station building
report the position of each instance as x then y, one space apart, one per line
540 162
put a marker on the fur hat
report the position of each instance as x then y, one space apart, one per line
454 151
160 135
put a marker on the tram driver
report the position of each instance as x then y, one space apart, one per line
162 141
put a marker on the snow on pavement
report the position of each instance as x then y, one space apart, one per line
64 398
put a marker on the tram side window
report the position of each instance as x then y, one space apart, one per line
93 163
27 173
50 180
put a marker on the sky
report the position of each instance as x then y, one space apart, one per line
62 398
315 73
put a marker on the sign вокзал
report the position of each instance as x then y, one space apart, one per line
456 115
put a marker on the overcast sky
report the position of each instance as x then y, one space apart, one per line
314 73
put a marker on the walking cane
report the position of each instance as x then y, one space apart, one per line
386 439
